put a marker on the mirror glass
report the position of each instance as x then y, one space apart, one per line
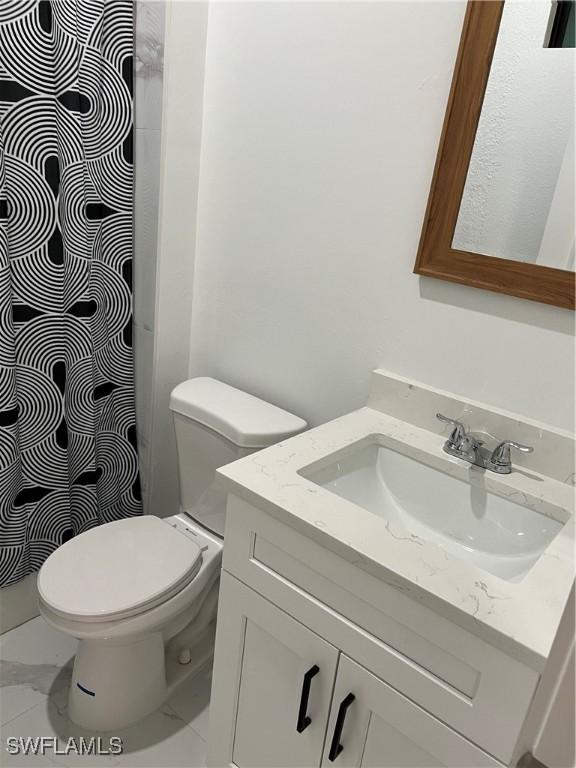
518 200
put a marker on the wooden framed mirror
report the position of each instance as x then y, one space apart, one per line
524 244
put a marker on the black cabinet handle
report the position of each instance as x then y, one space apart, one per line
303 719
336 747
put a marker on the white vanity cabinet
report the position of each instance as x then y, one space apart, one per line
383 729
288 698
318 663
267 658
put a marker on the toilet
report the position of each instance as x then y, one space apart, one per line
140 594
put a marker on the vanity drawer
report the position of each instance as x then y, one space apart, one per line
475 688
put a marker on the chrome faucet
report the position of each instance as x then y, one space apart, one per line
469 446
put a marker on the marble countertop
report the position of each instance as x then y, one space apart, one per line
522 618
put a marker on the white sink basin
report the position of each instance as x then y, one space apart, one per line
494 533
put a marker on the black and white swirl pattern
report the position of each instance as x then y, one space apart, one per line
68 457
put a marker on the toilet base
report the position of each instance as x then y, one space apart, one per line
115 686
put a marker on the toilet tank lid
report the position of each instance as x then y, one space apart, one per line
245 420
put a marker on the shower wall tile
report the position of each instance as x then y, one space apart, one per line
149 63
144 366
186 33
148 87
147 178
143 360
18 603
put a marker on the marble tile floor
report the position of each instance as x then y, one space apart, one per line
35 668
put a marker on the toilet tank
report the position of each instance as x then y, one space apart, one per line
216 424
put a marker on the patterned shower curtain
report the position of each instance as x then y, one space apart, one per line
68 457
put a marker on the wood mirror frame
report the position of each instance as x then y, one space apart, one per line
436 257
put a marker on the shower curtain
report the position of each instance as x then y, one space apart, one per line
68 457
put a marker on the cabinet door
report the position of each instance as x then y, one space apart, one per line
261 713
373 725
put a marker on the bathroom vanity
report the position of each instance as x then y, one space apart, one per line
385 604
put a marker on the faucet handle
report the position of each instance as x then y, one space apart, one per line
458 433
501 454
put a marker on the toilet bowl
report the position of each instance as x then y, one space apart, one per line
140 594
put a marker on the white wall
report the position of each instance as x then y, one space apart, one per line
526 120
320 130
555 746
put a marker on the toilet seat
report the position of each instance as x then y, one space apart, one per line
118 570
